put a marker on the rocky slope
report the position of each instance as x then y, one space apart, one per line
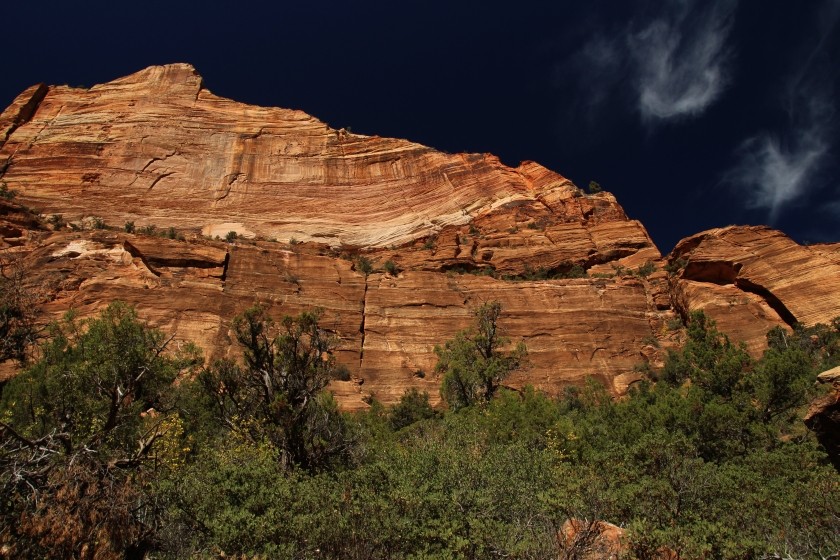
306 201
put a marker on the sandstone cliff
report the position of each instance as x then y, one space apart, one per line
750 279
159 150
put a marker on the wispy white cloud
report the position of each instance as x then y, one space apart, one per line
681 60
676 62
773 173
779 168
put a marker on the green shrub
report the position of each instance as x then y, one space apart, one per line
363 264
391 268
277 395
79 446
646 270
230 236
128 227
6 193
413 407
676 265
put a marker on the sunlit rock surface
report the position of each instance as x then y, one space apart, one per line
443 233
750 279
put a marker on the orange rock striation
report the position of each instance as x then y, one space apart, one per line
750 279
442 233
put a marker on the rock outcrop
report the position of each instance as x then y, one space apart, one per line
579 282
751 279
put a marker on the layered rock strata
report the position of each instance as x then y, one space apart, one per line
398 243
751 279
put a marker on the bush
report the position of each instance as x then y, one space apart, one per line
676 265
231 236
363 264
79 441
18 312
413 407
646 270
6 193
594 187
391 268
129 227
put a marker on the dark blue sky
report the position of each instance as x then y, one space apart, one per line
695 114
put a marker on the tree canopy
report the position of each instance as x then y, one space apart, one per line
473 363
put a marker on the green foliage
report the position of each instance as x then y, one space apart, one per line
413 407
676 265
473 364
18 311
230 236
97 223
236 498
6 193
363 264
128 227
277 395
709 359
172 233
594 187
148 229
646 270
712 461
391 268
82 429
530 274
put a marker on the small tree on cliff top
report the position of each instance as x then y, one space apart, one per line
472 364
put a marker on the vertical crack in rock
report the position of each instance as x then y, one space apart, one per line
225 267
362 326
26 112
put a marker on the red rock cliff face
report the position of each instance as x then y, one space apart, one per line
158 149
750 279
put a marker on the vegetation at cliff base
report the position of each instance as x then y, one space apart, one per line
114 445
